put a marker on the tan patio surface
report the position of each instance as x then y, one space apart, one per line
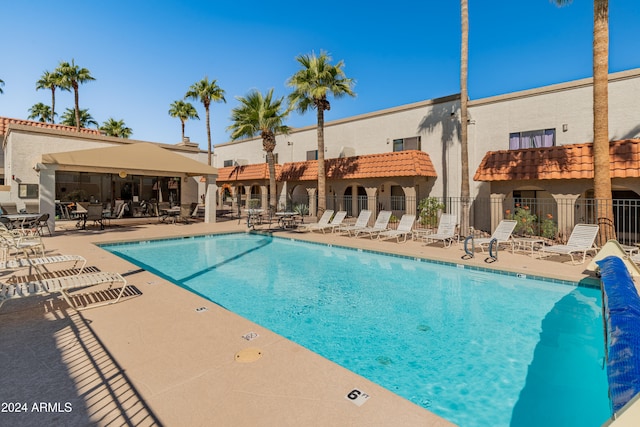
154 359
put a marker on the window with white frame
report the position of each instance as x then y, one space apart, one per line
532 139
403 144
227 163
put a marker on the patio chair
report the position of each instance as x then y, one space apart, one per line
502 235
336 221
63 285
324 220
446 231
581 240
405 228
38 263
381 224
94 213
17 241
186 214
9 209
43 222
361 222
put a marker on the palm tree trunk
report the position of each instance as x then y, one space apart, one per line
322 184
464 96
208 137
601 159
272 181
77 103
182 123
53 104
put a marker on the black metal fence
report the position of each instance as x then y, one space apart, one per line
551 218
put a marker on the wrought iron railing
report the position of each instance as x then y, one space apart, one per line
552 218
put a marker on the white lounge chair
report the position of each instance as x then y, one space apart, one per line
361 222
446 231
381 224
502 235
335 223
62 285
405 228
582 240
324 220
38 263
17 241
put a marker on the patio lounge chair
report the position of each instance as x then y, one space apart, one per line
446 231
405 228
502 235
17 241
582 240
324 220
361 222
381 224
334 224
62 285
37 263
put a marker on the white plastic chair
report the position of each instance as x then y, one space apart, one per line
405 228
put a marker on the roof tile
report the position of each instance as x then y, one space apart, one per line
573 161
395 164
6 121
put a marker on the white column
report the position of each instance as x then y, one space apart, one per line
210 199
47 192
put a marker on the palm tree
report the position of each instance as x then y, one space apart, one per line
69 118
464 98
40 112
117 128
264 115
51 81
311 86
1 84
601 159
184 111
71 76
206 92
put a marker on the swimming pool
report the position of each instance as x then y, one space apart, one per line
477 348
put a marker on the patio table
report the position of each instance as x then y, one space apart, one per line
527 243
287 219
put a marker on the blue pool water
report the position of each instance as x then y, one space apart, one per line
477 348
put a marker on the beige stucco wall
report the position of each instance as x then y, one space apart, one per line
24 149
491 121
369 134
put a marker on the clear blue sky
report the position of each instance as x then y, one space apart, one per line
145 54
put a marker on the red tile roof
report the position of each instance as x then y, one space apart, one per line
383 165
255 172
573 161
6 121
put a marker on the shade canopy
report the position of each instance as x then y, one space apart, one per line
139 158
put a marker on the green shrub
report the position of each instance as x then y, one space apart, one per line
429 209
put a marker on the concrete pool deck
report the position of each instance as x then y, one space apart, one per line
156 358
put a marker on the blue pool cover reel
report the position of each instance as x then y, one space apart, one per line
622 305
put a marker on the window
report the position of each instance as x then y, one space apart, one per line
312 155
28 191
404 144
227 163
532 139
